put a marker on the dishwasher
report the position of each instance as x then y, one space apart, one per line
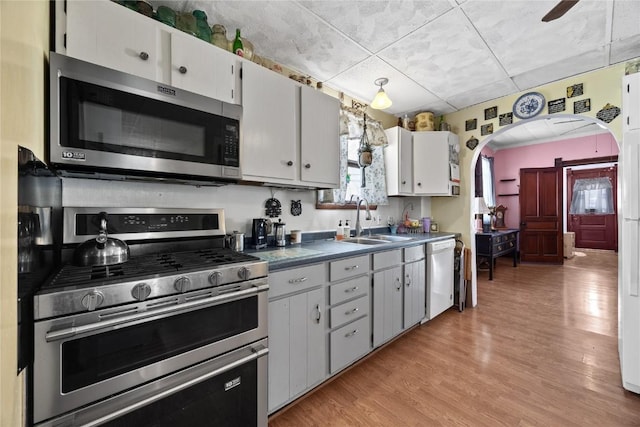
440 280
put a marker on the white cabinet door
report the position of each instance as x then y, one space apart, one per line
431 173
111 35
316 338
198 67
414 293
278 353
387 305
398 160
631 102
319 138
269 139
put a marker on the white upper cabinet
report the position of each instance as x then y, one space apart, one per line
319 138
631 102
290 133
111 35
398 162
431 163
269 116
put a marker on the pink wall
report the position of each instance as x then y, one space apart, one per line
508 162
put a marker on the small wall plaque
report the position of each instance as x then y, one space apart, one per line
582 106
575 90
557 105
470 124
491 113
506 119
486 129
608 113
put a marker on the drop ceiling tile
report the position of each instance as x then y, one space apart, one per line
438 108
521 41
377 24
626 49
445 56
289 34
484 93
626 19
358 82
567 67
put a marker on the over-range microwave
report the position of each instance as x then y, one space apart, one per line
109 122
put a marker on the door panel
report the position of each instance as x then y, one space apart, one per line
541 215
594 231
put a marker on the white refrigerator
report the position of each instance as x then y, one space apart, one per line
629 237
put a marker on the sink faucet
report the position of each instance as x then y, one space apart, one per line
368 217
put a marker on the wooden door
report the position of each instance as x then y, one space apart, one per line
541 215
594 231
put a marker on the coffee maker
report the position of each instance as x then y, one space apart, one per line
259 233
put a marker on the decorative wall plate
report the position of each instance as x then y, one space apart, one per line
296 207
273 207
529 105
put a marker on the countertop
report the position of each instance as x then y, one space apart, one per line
315 251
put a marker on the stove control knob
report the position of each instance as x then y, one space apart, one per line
215 278
182 284
244 273
141 291
92 300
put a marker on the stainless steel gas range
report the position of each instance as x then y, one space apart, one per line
175 336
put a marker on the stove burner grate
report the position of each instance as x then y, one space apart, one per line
106 271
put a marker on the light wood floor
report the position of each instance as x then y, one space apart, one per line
539 350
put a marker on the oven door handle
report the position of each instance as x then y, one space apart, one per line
257 352
152 314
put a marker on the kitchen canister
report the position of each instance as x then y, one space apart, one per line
296 236
426 224
425 121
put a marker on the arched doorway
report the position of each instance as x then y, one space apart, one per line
596 124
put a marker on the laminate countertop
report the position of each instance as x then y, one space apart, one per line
320 250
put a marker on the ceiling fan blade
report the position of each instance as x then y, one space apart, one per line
559 10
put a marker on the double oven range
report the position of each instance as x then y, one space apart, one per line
175 336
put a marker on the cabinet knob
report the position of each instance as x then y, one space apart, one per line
144 56
308 166
404 182
289 163
419 184
182 69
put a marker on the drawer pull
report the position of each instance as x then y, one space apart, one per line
298 280
319 313
353 267
350 334
399 285
408 280
351 290
350 312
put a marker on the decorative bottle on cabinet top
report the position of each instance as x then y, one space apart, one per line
238 49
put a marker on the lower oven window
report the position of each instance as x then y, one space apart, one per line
229 399
95 358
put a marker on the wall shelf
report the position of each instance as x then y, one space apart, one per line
507 180
507 195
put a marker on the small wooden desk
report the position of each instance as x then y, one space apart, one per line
497 243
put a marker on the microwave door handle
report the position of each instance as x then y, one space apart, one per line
153 314
257 353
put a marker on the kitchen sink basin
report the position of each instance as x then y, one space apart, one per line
376 239
365 241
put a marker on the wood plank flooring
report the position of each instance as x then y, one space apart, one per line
539 350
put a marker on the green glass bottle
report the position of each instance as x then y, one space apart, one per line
238 49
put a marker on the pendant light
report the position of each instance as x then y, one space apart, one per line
381 100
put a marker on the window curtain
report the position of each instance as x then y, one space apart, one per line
351 129
488 185
592 196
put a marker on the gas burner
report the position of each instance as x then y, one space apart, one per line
106 271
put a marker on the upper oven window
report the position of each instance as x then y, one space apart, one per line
98 357
105 119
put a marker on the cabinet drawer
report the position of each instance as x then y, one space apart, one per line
349 343
350 267
414 253
387 259
349 310
297 279
347 290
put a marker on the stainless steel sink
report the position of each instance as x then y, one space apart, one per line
365 241
376 239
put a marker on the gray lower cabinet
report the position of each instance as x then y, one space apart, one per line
415 285
387 310
297 343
